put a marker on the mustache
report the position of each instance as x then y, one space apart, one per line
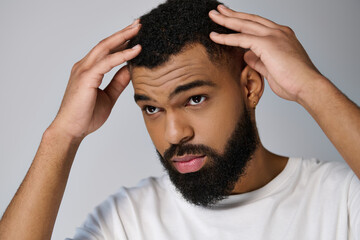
179 150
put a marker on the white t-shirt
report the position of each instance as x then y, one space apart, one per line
308 200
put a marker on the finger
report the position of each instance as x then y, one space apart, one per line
239 25
116 40
255 62
235 39
118 84
119 48
113 60
113 40
252 17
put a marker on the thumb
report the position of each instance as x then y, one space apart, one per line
255 62
117 85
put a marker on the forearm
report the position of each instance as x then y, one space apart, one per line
276 53
85 107
338 117
33 210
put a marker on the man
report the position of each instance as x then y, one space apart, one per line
198 84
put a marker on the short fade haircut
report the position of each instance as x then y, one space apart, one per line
167 29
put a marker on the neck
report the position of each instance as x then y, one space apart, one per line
261 169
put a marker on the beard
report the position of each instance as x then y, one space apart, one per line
217 178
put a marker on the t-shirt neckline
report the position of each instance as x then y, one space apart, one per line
271 187
245 198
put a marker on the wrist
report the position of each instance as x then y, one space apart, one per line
54 132
314 91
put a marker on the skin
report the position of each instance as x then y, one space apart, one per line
275 53
32 212
179 120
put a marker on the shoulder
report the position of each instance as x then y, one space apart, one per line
147 189
121 211
325 174
325 169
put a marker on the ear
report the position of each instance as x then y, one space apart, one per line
253 85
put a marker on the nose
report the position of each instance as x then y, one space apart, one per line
178 129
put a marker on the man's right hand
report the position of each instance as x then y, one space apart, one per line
83 110
85 107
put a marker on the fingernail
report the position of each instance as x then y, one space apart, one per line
222 6
136 47
214 12
136 25
134 22
214 33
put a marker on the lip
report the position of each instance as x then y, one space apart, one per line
189 163
186 158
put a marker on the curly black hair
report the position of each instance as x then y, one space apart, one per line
167 29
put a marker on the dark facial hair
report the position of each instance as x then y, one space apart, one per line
217 178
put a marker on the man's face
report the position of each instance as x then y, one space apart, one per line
195 114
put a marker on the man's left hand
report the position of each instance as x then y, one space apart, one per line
274 51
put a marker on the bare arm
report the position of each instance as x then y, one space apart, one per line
33 210
338 117
276 54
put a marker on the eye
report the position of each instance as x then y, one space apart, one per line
196 100
151 110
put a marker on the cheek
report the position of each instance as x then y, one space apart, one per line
212 127
156 134
215 127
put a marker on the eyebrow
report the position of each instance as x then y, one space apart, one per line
178 90
191 85
141 97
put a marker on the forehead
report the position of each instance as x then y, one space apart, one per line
193 63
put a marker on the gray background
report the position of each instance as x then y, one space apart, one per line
41 40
